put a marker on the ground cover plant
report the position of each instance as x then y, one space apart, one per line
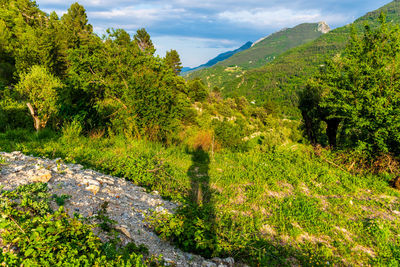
266 206
34 235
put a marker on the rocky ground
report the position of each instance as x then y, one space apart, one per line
128 204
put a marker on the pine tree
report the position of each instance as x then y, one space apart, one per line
142 38
76 25
173 60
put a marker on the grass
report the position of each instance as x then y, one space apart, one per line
268 206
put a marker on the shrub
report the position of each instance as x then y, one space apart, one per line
39 87
205 140
229 135
72 130
41 237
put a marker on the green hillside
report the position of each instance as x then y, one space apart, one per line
247 185
279 81
262 52
275 44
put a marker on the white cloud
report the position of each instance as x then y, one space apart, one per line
281 17
206 48
141 13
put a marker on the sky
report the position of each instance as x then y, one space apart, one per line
201 29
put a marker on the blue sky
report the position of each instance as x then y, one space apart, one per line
201 29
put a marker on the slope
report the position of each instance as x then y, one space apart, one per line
220 57
279 81
266 49
262 52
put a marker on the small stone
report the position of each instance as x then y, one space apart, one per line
18 168
93 188
43 178
230 261
189 256
216 260
123 230
208 264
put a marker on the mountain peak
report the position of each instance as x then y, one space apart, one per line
323 27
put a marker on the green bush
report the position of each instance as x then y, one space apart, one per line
229 135
13 113
46 238
71 130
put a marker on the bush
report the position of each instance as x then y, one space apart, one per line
71 131
13 114
42 237
204 139
230 135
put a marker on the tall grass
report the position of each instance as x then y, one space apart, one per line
276 205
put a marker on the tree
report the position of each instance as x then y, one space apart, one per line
173 60
358 93
197 90
142 39
76 25
39 87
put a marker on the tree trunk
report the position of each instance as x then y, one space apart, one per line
36 120
309 128
331 131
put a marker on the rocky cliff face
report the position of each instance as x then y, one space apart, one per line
323 27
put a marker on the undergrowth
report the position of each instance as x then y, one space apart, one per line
32 234
271 205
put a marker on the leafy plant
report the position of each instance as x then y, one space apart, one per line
35 235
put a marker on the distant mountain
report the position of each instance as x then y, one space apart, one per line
218 58
263 51
267 48
279 81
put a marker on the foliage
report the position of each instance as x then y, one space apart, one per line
110 83
142 39
71 131
141 98
75 26
35 235
13 112
40 89
361 91
269 205
197 90
173 60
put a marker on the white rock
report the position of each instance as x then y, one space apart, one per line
208 264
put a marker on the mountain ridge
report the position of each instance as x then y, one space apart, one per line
218 58
280 80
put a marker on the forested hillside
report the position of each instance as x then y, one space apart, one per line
317 186
278 82
266 50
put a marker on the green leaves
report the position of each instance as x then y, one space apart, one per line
40 88
46 238
361 89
